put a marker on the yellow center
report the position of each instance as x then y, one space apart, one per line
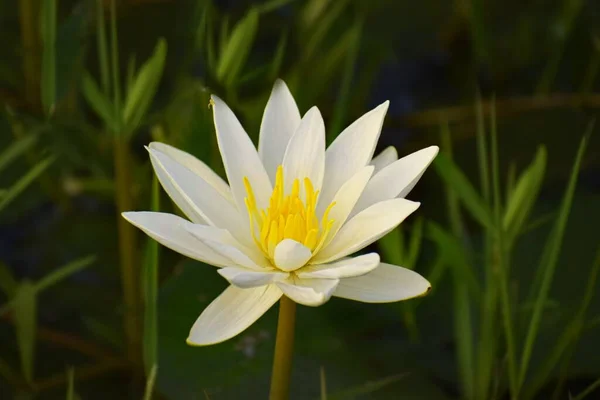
288 217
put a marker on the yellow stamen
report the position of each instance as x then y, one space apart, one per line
288 216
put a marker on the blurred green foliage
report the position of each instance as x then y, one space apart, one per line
506 88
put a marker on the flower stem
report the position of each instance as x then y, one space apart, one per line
284 348
127 248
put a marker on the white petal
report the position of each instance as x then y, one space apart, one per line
365 228
309 292
223 243
350 151
385 158
240 158
346 268
397 179
245 278
291 255
385 284
170 231
305 153
196 166
231 313
196 197
279 122
345 199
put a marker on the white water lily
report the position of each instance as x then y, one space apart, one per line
291 216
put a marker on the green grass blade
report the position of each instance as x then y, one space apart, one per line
482 155
272 5
25 181
144 86
233 58
131 68
116 84
453 254
25 316
570 11
16 149
414 244
275 66
63 272
97 100
70 384
102 48
320 29
150 285
392 247
576 327
524 195
472 201
511 178
150 383
588 390
367 388
323 384
549 259
224 34
48 30
502 256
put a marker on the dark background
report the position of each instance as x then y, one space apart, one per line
429 58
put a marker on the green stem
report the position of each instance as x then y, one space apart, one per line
127 246
28 15
284 348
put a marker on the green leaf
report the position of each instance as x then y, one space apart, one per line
70 384
25 315
150 383
549 259
150 285
326 18
524 195
323 384
25 181
233 58
102 48
48 30
97 100
63 272
15 150
116 83
144 86
454 178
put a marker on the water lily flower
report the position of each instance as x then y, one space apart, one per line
291 216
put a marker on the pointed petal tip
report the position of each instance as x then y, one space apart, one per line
280 84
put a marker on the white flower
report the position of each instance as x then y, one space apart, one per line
291 216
